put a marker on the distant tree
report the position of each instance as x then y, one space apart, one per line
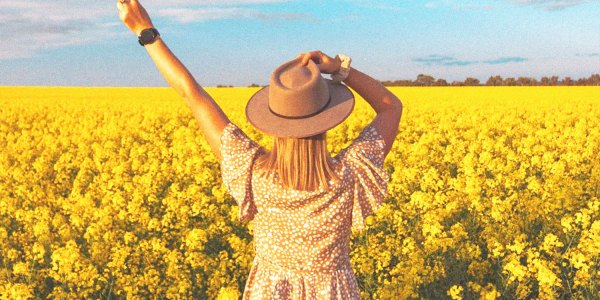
593 80
521 81
567 81
440 82
526 81
549 80
254 85
494 80
545 81
424 80
497 80
533 81
509 81
470 81
398 83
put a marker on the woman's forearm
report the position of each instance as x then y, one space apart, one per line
211 118
387 106
174 72
379 97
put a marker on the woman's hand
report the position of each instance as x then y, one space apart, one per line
134 15
325 63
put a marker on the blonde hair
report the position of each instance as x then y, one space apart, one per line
300 163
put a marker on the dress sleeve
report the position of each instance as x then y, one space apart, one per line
238 153
365 157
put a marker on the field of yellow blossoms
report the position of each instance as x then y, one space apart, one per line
112 193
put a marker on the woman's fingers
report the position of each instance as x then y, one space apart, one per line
325 63
121 4
120 9
316 56
305 58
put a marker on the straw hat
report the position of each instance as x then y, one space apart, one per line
299 102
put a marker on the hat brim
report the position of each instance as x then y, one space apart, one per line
338 109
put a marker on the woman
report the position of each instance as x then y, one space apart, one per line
303 201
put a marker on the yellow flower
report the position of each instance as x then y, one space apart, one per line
228 293
21 268
115 191
455 292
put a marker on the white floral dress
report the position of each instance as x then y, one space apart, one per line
302 238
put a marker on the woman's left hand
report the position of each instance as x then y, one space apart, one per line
326 63
134 15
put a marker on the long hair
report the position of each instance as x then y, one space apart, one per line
300 163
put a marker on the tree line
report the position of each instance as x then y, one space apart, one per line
427 80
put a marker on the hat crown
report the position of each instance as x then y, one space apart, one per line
297 91
294 77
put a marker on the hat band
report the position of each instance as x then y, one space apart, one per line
305 116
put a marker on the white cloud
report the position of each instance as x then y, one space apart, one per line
188 15
211 2
477 5
551 4
31 27
458 5
445 60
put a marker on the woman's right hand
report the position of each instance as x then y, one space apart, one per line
134 15
325 63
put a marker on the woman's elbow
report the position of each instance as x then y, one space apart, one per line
395 107
397 103
393 103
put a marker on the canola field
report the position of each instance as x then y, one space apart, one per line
112 193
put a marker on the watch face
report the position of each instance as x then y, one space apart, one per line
147 36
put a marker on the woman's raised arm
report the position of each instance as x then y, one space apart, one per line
387 106
210 117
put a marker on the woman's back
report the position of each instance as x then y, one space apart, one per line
302 237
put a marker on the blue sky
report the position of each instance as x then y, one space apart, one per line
239 42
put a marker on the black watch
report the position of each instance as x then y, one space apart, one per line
148 36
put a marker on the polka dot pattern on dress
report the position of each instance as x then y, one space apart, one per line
302 238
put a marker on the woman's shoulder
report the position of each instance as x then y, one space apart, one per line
235 143
369 141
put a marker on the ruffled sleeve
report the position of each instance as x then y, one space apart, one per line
365 158
238 153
